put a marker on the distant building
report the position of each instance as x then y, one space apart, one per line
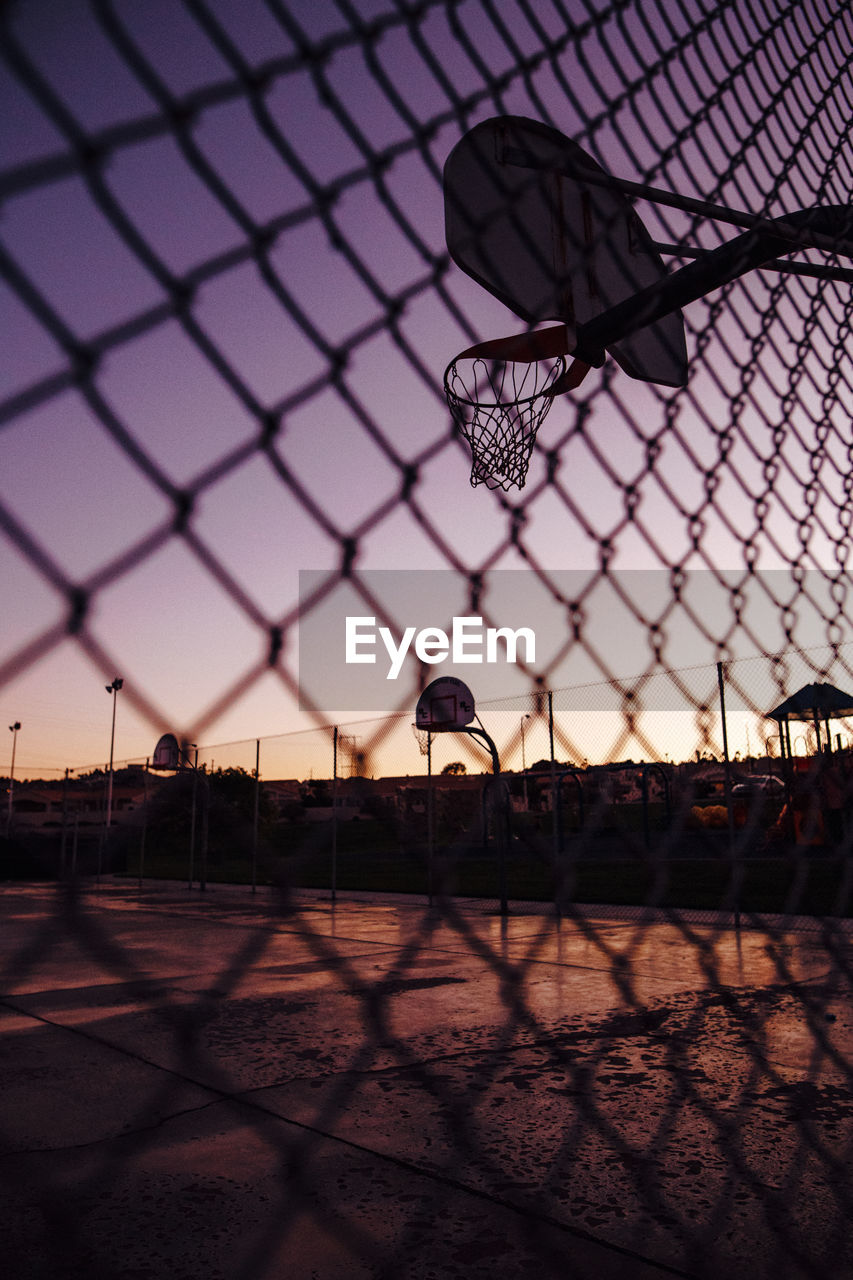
47 805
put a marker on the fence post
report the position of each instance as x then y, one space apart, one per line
335 814
62 845
205 828
728 780
430 818
191 877
555 800
257 814
144 826
644 792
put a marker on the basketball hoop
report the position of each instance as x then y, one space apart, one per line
167 755
444 706
499 393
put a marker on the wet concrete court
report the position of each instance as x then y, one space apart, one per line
224 1085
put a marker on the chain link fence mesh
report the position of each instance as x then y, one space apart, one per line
227 304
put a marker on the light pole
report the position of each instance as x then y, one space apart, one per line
13 729
112 689
524 761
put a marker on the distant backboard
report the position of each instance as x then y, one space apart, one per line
167 755
444 705
521 222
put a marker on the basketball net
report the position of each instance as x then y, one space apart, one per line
499 393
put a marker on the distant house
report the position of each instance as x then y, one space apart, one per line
284 794
41 805
358 797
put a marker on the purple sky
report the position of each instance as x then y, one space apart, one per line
712 107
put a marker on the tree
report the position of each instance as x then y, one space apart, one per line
235 787
223 799
455 769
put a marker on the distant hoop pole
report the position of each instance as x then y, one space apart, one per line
501 825
484 737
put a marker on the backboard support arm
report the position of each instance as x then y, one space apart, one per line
813 270
687 204
714 269
828 229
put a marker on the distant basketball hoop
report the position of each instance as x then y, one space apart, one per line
167 755
445 705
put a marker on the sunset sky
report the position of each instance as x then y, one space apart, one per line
226 307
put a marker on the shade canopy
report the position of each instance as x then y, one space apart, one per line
814 702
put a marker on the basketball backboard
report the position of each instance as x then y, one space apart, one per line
521 221
167 755
445 705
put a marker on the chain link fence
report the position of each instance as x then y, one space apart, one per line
227 305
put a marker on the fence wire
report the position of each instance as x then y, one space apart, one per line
227 305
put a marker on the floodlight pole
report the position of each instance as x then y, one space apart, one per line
13 729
